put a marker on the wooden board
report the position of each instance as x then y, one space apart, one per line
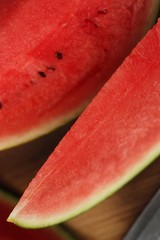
109 220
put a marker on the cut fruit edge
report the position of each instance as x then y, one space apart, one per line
92 200
41 130
52 124
150 153
11 199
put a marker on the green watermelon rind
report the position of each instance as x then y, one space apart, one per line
13 199
54 123
41 130
94 199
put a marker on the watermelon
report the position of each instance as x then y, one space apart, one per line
114 139
10 231
56 55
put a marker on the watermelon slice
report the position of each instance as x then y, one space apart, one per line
115 138
55 56
9 231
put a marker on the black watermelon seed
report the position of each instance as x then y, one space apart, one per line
59 55
1 105
42 74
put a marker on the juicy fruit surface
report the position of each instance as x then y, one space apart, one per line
9 231
115 138
54 58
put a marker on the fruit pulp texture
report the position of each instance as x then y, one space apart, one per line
54 58
112 141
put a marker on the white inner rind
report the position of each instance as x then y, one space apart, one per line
48 126
40 130
96 197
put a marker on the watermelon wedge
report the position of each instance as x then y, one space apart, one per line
9 231
55 56
114 139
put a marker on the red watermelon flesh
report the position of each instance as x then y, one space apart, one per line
115 138
9 231
55 56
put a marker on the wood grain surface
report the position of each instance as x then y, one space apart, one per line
111 219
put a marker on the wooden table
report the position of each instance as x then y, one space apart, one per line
109 220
